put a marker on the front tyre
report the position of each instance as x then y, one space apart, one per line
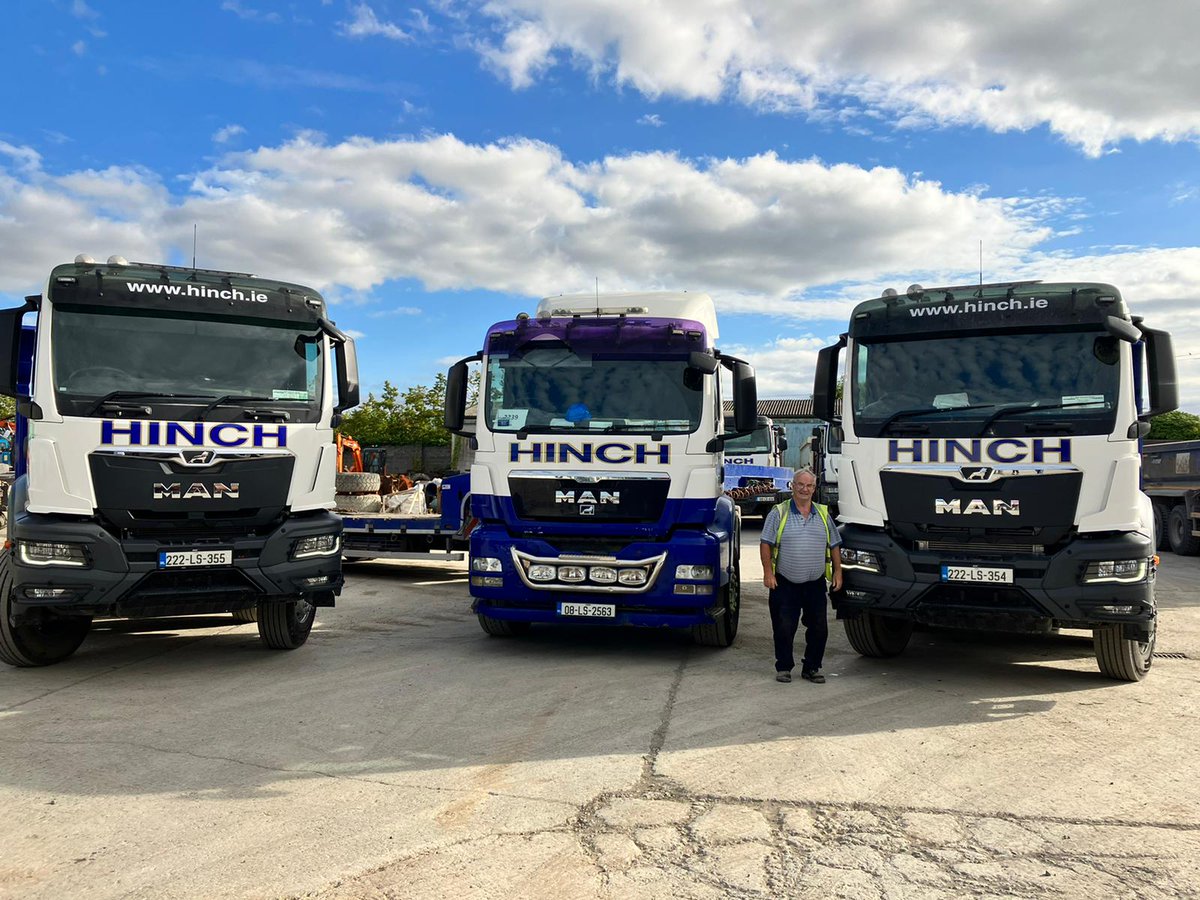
871 634
1120 657
723 632
285 625
42 637
502 627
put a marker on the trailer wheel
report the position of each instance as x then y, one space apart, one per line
502 627
1179 530
36 641
249 614
357 482
871 634
285 625
1120 657
1161 542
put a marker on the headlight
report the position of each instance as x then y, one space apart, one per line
43 553
1118 571
631 576
318 545
486 564
540 572
602 574
864 560
694 573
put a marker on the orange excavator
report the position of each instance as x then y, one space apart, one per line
348 445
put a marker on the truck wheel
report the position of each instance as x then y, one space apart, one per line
250 614
1118 656
38 640
502 627
357 482
723 632
1161 541
1179 531
285 625
874 635
363 503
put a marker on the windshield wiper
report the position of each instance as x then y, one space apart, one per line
136 395
907 413
1028 407
247 398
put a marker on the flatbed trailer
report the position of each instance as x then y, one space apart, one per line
441 535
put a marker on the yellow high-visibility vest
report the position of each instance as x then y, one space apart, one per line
784 509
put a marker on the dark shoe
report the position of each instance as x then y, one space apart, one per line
783 676
813 676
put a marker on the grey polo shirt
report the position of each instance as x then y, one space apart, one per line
802 547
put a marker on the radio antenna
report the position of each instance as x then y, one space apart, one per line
597 295
981 262
193 246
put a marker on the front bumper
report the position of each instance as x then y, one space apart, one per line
123 576
510 595
1046 591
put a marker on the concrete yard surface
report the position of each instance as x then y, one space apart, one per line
404 753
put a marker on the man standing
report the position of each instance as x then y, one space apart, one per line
799 551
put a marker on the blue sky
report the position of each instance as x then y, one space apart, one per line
436 165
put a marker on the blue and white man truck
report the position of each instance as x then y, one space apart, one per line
990 466
754 475
174 453
597 470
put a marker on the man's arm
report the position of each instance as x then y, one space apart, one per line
764 553
835 557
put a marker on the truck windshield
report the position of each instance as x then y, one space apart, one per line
758 441
1009 383
558 389
98 352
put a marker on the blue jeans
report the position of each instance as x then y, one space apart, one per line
794 604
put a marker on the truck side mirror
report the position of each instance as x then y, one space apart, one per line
456 396
825 380
745 397
783 443
10 346
1161 378
346 357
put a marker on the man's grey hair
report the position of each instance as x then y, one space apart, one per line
804 470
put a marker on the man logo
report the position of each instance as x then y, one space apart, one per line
198 457
587 509
976 473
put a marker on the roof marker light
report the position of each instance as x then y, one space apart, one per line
84 259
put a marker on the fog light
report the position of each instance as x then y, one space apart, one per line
704 589
486 564
317 545
571 574
685 589
631 576
41 593
42 553
694 573
539 572
1117 609
487 581
603 574
315 580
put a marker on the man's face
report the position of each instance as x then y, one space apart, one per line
803 486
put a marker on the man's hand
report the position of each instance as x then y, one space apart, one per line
769 580
837 579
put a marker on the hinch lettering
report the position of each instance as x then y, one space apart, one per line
191 434
1002 450
612 453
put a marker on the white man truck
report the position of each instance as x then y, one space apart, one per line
174 453
754 475
596 477
990 467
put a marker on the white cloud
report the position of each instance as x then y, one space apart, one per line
80 10
396 311
227 133
799 241
1094 73
366 24
651 119
251 15
79 48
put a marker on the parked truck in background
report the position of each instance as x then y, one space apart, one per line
1171 478
174 453
596 475
754 475
990 473
827 457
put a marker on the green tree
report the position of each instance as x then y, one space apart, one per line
1175 426
412 417
8 408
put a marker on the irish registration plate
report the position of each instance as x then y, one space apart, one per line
184 559
977 574
588 610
